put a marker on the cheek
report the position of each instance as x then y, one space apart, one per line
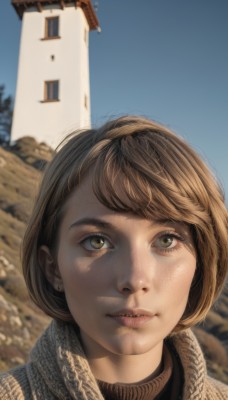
81 275
175 277
181 280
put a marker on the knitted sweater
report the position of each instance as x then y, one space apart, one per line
58 370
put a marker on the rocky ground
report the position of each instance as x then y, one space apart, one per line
20 321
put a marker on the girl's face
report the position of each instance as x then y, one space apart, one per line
126 279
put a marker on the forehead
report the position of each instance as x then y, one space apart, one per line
125 193
83 203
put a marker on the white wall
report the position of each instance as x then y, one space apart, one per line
50 121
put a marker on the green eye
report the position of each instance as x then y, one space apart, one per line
97 242
166 241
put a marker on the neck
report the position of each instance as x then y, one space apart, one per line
126 369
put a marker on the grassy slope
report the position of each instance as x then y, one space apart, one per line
20 321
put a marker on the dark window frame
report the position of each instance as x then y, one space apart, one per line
52 30
51 91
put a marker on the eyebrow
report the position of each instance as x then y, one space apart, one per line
91 221
106 225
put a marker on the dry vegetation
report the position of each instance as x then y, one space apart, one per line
20 321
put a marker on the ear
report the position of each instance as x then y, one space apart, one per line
50 268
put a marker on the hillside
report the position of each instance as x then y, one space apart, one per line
20 321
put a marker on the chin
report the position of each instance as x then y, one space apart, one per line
131 344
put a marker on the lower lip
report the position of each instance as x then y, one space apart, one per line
131 322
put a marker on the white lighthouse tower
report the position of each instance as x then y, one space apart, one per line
53 91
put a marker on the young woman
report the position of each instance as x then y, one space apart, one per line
126 249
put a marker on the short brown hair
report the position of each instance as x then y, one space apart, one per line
162 177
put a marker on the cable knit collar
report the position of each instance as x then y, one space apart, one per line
59 365
193 363
59 358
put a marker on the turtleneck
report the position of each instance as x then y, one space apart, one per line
167 383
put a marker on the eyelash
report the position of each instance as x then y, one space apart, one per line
92 236
160 249
172 235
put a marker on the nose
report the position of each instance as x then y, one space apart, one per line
134 273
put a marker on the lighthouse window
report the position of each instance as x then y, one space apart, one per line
52 27
51 91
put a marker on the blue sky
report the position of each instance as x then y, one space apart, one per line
165 59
